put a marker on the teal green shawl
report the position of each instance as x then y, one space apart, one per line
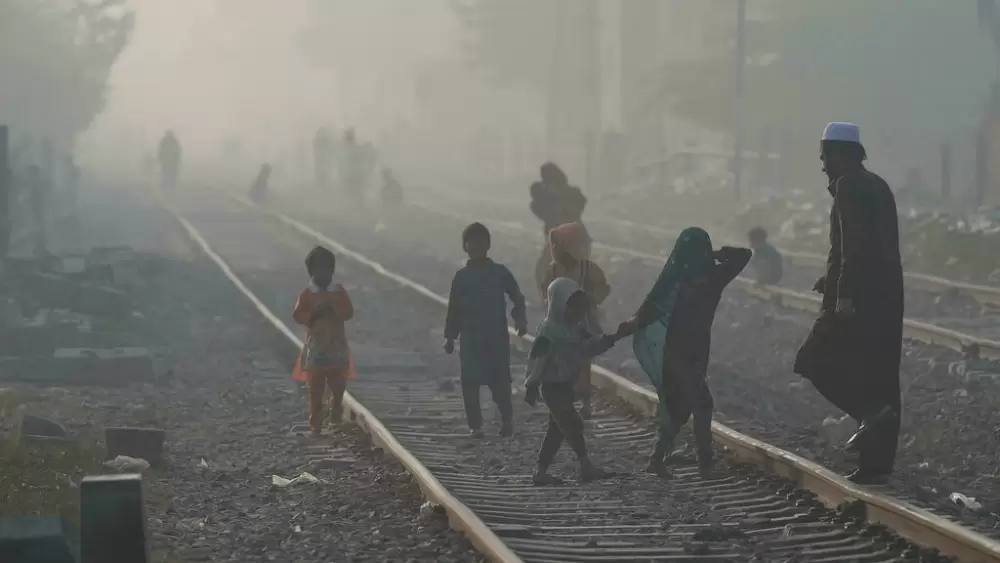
691 253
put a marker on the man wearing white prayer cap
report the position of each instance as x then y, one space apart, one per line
852 354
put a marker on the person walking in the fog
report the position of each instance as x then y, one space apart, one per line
477 315
556 202
569 260
323 307
673 338
169 156
853 353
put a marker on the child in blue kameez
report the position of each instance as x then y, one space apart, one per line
477 316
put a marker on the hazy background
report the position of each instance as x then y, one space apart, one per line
476 93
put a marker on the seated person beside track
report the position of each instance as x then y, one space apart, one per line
767 263
392 191
258 192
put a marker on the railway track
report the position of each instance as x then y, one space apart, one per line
917 330
983 294
765 504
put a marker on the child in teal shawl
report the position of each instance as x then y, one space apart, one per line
672 334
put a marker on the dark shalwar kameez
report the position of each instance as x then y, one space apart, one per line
477 316
853 359
686 352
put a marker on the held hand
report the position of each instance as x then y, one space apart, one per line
531 395
627 328
521 330
449 346
845 307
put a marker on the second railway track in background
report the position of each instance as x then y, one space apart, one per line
921 331
773 506
983 294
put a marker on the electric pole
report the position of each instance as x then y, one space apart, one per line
741 18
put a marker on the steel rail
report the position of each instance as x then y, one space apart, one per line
912 329
460 516
915 524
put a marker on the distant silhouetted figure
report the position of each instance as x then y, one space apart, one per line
169 157
322 156
38 189
392 192
555 202
767 264
258 192
352 167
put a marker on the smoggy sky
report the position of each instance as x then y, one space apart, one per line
214 68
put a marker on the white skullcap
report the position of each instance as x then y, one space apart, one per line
842 131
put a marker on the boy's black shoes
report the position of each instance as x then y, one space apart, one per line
506 429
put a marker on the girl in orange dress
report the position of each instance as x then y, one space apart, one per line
325 361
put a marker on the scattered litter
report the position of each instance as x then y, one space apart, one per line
203 463
838 429
297 529
429 508
967 502
960 393
303 477
126 464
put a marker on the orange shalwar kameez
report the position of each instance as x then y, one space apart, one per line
325 359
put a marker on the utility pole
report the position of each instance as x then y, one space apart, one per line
741 18
6 179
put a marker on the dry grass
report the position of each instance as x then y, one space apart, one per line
37 480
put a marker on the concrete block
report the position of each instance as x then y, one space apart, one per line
36 539
144 443
81 366
113 520
48 330
23 266
31 425
57 290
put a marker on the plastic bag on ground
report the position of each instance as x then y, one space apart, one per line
304 477
126 464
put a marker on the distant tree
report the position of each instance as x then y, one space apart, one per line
55 60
